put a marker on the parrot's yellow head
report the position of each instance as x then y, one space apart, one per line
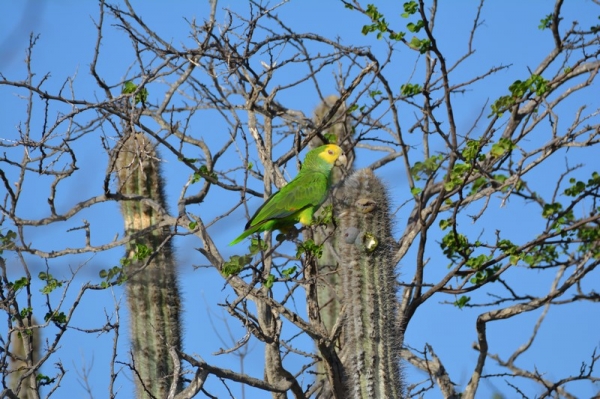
333 154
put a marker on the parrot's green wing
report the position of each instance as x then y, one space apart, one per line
306 190
297 200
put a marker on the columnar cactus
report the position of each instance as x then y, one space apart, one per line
152 292
25 350
371 335
338 130
357 270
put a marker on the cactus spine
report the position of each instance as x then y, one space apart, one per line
152 293
371 336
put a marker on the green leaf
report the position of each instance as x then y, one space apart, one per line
478 184
414 28
193 225
545 22
450 185
500 178
331 138
325 216
129 87
372 12
538 85
397 36
477 262
196 177
7 240
445 223
309 247
269 281
188 160
457 176
416 191
57 317
203 172
506 246
455 246
142 251
289 271
25 312
551 209
471 150
51 283
235 265
462 301
535 84
577 188
410 89
410 8
366 29
426 168
415 43
43 380
20 283
141 96
501 105
503 146
257 245
423 45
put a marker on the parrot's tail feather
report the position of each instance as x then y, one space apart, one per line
261 226
239 239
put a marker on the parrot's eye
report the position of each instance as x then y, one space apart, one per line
330 152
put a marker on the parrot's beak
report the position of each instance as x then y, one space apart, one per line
342 160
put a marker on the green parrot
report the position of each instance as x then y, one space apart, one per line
298 200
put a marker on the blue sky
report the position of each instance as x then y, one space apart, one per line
508 35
